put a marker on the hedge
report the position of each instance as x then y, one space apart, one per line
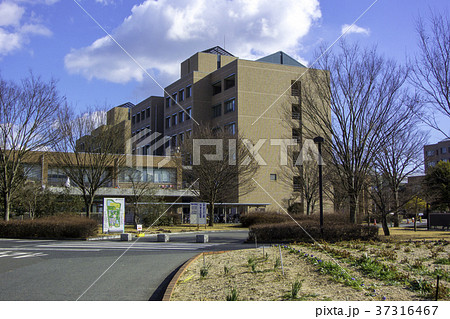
309 230
251 219
50 227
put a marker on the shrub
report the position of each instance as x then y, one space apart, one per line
290 232
49 227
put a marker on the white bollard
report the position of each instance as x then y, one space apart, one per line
164 238
125 237
202 238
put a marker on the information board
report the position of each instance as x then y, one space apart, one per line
198 213
113 215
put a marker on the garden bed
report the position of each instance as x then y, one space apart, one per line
403 271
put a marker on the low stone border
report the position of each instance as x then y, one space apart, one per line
176 277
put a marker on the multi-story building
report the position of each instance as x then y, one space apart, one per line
260 100
118 121
434 153
147 118
248 97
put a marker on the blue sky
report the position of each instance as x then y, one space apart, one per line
58 38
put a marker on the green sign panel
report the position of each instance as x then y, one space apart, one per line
113 215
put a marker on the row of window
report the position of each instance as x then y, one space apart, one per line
177 140
230 128
228 83
229 106
178 117
442 150
179 96
148 174
147 129
140 116
431 164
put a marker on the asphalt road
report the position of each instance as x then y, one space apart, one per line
100 270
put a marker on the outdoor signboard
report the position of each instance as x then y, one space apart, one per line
113 215
198 213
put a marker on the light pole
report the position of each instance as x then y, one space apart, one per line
319 140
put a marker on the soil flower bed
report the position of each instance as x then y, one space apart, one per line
343 271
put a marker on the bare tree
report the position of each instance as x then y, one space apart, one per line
88 152
143 196
431 67
222 179
28 112
364 94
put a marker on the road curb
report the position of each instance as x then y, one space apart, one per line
176 277
154 235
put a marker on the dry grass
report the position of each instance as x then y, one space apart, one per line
411 256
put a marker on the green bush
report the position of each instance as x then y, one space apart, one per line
291 231
49 227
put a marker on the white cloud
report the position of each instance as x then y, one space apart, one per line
16 28
160 34
10 14
348 29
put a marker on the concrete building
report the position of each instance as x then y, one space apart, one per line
434 153
44 168
246 97
147 118
118 121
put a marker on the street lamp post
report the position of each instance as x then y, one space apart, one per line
319 141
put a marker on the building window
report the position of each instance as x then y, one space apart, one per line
188 91
273 177
297 134
168 101
217 87
230 81
296 112
143 115
444 150
297 184
181 116
133 120
295 88
431 164
430 153
230 128
188 113
229 105
168 122
181 138
148 112
148 130
173 141
174 119
217 110
188 133
174 99
180 95
138 117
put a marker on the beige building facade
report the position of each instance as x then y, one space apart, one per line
259 100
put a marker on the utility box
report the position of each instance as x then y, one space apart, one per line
202 238
125 237
164 238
